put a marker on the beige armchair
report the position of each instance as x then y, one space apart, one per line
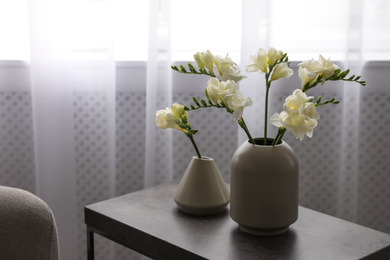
27 227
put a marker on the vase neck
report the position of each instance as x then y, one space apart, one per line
260 141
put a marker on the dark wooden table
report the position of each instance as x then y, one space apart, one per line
149 222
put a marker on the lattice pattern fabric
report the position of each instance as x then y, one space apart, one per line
16 141
320 157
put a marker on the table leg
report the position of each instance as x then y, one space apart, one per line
90 246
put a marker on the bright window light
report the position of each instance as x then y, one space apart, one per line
203 24
297 27
14 34
300 31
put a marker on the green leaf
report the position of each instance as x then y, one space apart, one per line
203 102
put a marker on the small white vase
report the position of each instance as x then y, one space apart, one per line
264 188
202 190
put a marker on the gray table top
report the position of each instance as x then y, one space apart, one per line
149 222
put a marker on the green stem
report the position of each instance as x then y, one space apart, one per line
202 72
241 122
266 109
194 144
279 136
203 106
268 86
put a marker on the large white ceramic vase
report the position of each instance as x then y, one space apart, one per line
264 188
202 190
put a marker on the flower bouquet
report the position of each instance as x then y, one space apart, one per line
300 113
264 171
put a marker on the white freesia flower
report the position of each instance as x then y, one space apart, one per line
179 111
294 102
217 90
205 59
281 71
258 62
276 120
227 92
230 73
237 102
309 111
295 123
220 61
164 121
261 60
273 55
307 76
299 115
227 69
170 117
312 69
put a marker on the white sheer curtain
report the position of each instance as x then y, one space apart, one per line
57 82
77 116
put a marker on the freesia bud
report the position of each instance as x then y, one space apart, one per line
198 60
178 110
208 60
279 55
272 56
205 59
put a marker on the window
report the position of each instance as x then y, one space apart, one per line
14 34
202 25
89 28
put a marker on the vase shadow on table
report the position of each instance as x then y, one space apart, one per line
208 227
269 247
223 233
221 215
